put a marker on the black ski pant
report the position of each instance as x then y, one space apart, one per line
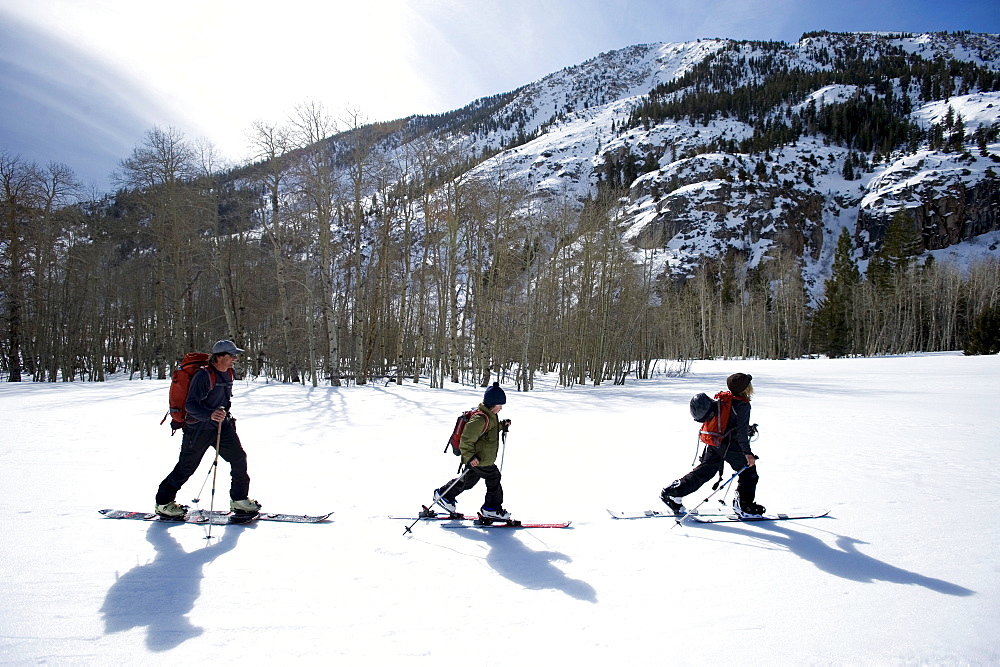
712 464
198 438
489 474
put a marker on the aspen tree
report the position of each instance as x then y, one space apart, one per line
272 144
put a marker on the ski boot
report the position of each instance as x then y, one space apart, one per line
449 506
172 511
674 503
747 510
488 516
244 510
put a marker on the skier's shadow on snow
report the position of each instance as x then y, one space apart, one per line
845 560
533 570
160 594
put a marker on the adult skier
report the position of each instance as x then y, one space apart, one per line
209 421
733 447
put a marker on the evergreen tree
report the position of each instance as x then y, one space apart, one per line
982 142
956 142
848 171
760 170
984 337
833 322
901 244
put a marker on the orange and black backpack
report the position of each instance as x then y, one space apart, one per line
180 380
713 414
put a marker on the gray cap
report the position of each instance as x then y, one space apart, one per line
226 347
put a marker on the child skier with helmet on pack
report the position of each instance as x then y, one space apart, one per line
731 446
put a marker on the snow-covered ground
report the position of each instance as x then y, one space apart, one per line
902 450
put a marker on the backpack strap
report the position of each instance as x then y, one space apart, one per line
211 376
486 420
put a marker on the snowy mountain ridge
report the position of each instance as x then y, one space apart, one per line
692 192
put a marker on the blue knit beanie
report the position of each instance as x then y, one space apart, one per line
494 395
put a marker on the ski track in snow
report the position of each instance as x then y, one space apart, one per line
900 449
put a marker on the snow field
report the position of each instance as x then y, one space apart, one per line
901 449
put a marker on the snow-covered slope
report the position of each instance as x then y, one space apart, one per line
693 196
575 111
902 572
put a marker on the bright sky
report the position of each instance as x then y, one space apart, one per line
82 80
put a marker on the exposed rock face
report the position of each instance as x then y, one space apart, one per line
945 207
711 205
738 216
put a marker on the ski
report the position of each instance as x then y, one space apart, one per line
643 514
719 515
431 514
440 516
290 518
722 518
658 514
470 521
503 524
218 517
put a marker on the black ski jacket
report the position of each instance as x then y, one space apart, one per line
737 435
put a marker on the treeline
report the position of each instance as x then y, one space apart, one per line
320 258
900 305
354 274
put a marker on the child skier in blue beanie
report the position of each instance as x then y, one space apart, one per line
480 444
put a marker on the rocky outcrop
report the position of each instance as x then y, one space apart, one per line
713 216
946 209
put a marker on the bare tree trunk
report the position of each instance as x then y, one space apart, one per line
272 143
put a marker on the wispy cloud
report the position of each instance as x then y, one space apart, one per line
59 105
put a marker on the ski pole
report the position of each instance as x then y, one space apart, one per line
215 464
201 489
453 483
504 427
694 510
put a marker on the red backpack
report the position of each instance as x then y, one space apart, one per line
180 380
455 440
713 430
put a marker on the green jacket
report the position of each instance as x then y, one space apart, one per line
477 444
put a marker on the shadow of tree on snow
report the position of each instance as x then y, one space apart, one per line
844 560
160 594
534 570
